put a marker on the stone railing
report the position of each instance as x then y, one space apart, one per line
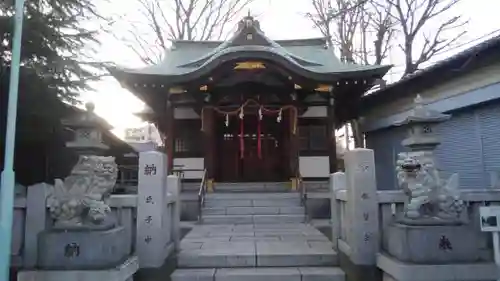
361 217
151 218
31 217
391 202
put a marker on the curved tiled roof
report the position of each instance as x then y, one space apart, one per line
306 55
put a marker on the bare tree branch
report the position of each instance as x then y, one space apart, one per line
347 24
167 20
383 27
412 16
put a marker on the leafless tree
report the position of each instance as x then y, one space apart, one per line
338 20
349 24
383 27
166 20
412 16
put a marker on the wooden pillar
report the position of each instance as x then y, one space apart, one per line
332 140
293 145
208 115
170 139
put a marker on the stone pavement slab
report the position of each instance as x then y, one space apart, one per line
322 274
194 274
260 274
256 245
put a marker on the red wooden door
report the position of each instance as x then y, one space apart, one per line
252 167
227 155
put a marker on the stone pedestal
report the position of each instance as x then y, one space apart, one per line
82 249
123 272
438 244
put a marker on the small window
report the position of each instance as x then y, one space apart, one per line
188 139
317 138
180 145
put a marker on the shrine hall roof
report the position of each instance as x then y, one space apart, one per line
310 56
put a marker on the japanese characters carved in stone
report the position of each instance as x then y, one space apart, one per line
78 201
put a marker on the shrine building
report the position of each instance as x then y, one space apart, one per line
251 109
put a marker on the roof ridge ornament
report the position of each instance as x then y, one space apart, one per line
248 22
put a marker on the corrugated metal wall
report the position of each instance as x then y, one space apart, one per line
470 147
489 121
386 144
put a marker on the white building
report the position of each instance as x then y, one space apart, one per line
144 138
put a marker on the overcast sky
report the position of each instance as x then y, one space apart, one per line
279 20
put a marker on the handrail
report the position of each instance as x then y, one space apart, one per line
201 194
180 171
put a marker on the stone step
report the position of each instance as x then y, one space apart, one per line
253 211
273 202
270 254
255 245
253 187
259 274
290 195
249 219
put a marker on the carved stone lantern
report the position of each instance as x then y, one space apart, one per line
87 128
433 211
421 127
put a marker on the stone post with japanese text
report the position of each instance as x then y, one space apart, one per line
362 206
152 198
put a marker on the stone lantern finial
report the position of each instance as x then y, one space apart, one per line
419 106
418 101
90 106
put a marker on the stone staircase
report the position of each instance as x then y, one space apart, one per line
252 187
252 236
247 208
